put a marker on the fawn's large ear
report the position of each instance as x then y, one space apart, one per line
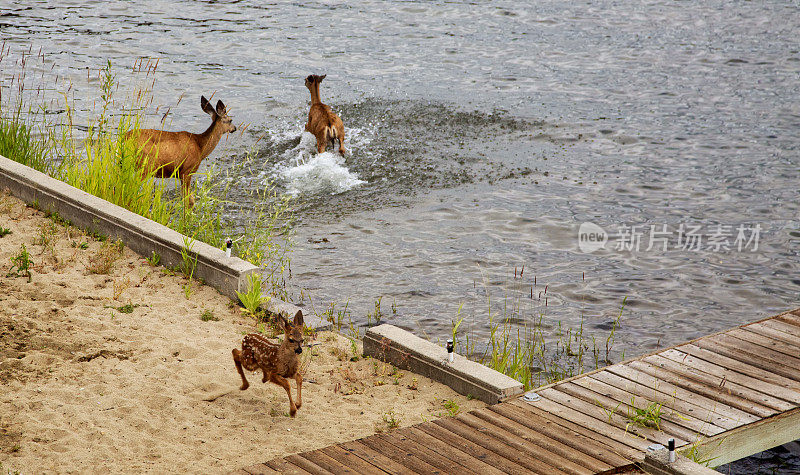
283 321
206 106
298 318
221 109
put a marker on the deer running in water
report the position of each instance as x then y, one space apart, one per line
180 153
322 121
277 362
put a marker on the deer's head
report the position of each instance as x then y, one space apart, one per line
312 81
294 332
218 115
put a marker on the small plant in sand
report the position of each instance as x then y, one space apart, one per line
253 300
120 285
47 238
414 384
4 231
336 317
22 262
154 259
208 316
452 407
389 421
80 245
106 256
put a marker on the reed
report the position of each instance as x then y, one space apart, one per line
520 343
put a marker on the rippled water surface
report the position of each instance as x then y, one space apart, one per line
482 135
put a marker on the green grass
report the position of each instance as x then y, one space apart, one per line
649 416
253 298
208 316
19 144
103 161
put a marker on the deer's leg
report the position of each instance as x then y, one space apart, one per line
281 381
340 136
266 376
186 182
299 380
322 142
237 358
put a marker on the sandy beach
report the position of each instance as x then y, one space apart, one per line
119 372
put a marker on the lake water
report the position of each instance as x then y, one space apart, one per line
482 136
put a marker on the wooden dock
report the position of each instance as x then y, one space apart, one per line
728 395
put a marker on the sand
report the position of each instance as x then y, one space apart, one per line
87 387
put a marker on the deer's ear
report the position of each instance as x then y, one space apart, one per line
221 109
206 106
283 321
298 318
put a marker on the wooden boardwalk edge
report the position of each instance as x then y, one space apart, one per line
725 396
748 439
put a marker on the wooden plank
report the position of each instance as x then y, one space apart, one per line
783 327
484 439
472 464
595 428
561 457
375 458
621 413
354 462
648 380
716 381
751 439
407 459
736 365
306 464
792 351
716 393
669 401
595 445
734 376
602 422
319 458
749 353
467 446
792 317
407 444
283 466
763 329
595 457
669 415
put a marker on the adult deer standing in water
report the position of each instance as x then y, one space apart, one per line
180 153
322 121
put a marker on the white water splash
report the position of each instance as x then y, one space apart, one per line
308 172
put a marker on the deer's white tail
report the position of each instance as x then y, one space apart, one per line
330 133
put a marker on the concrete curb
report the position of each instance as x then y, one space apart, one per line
657 463
143 236
407 351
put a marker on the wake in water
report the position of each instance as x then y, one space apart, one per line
307 172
